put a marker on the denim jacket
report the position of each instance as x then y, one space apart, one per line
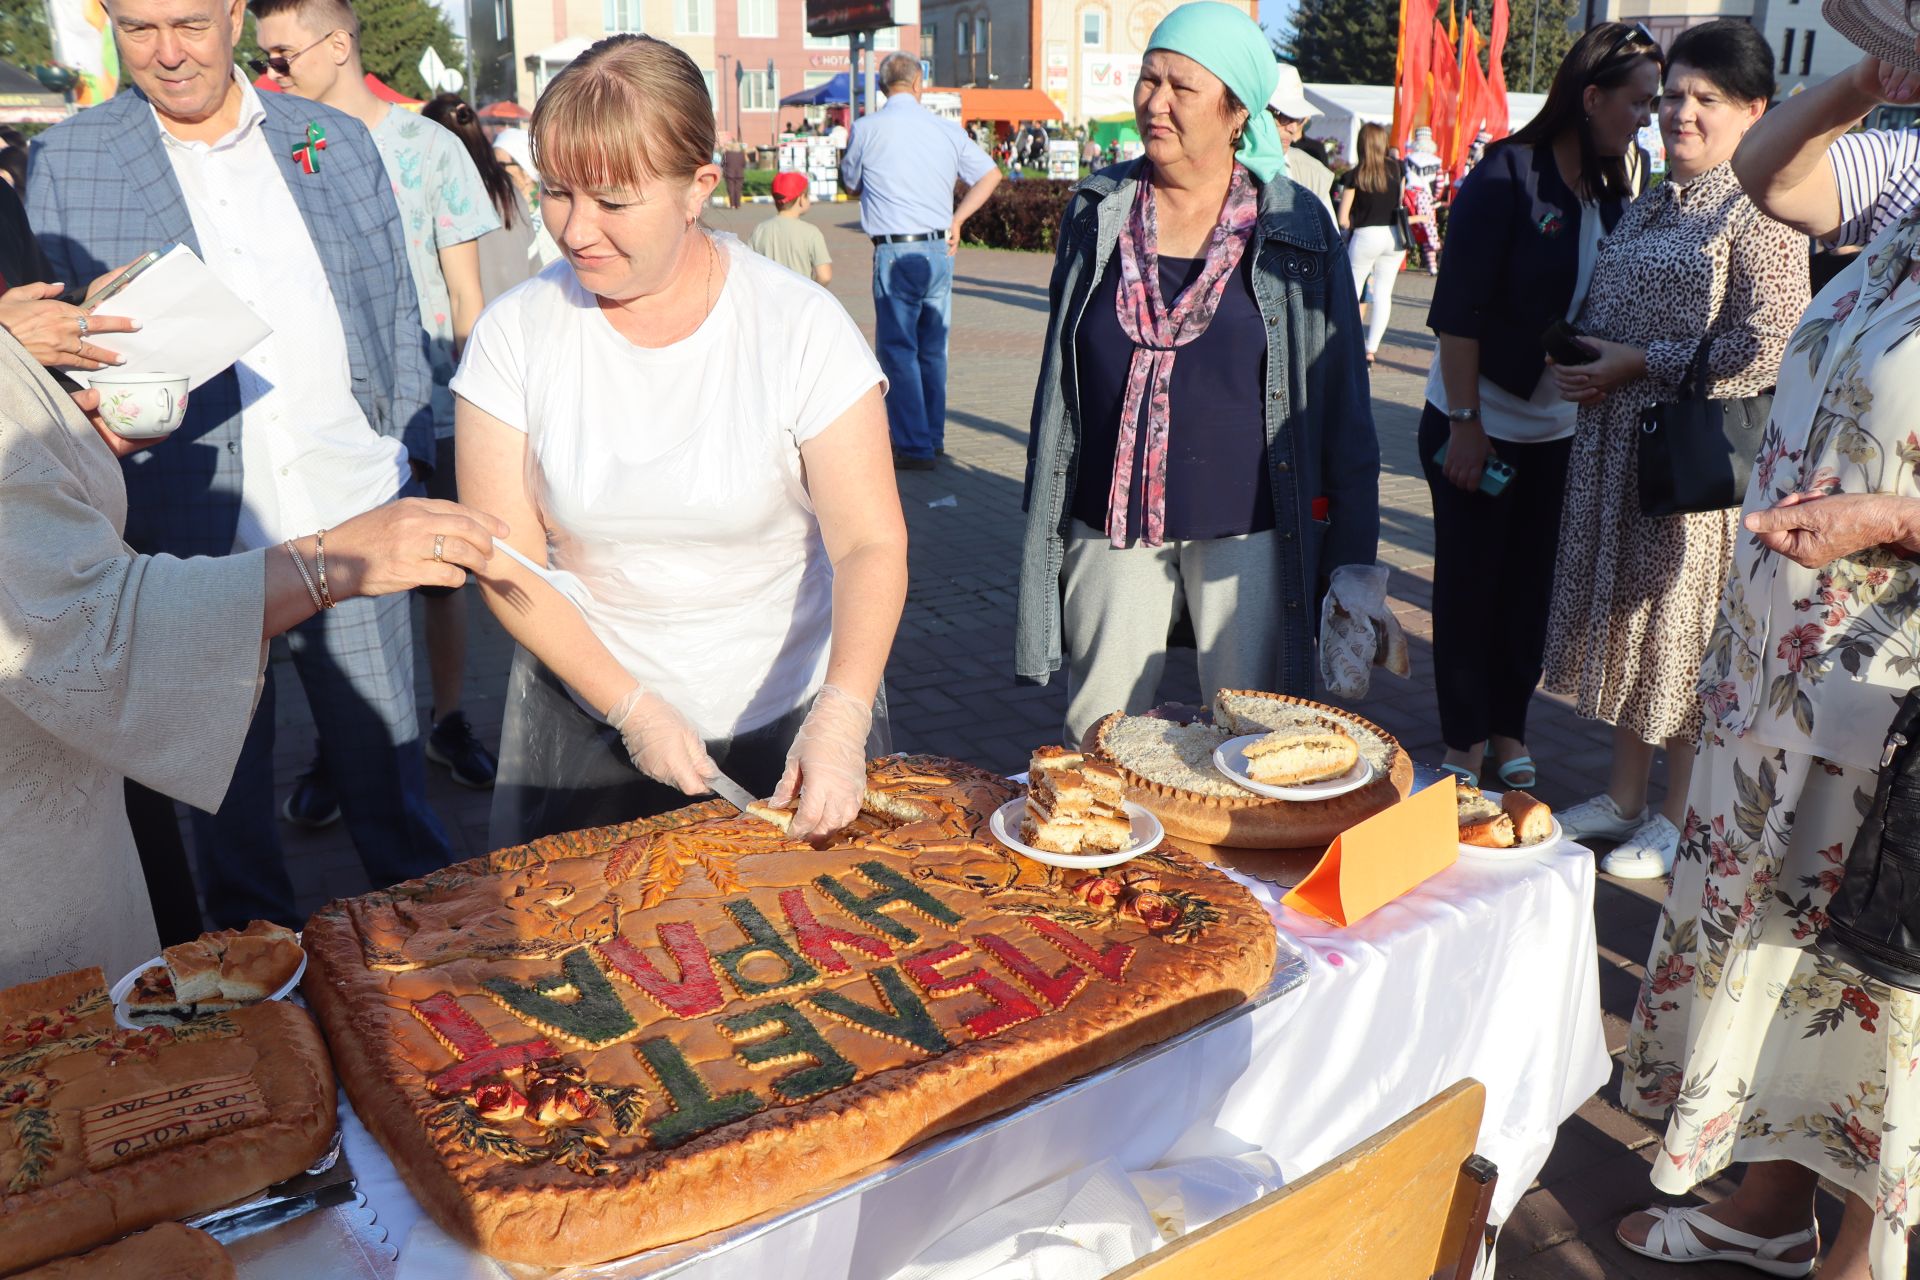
1320 440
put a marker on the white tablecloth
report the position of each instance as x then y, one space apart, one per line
1487 970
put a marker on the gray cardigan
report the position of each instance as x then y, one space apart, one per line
1320 440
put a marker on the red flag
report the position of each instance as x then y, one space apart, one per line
1472 104
1444 105
1499 123
1412 65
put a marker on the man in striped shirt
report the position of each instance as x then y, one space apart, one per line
1800 164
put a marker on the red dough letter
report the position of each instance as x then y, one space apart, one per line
1055 988
1008 1007
696 993
479 1053
1110 963
818 941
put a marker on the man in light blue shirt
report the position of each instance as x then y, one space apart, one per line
904 161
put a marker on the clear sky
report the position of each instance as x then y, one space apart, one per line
1274 14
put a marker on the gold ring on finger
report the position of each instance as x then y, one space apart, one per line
440 546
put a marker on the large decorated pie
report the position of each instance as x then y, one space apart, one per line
1169 769
105 1130
615 1039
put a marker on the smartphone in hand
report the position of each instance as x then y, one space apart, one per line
1494 477
1562 342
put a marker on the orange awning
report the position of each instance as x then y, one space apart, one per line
1005 104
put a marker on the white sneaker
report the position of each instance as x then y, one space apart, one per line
1647 854
1600 817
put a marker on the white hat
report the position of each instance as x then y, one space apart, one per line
1878 27
1289 99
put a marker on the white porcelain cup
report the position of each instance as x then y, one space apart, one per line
141 406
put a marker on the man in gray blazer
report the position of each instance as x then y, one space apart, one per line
288 203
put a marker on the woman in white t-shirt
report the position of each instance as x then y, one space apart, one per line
690 442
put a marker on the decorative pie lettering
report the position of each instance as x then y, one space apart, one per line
902 1018
695 1109
1055 988
1109 962
479 1053
593 1016
696 992
126 1127
778 1034
822 943
762 940
893 889
1009 1007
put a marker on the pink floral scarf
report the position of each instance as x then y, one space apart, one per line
1158 333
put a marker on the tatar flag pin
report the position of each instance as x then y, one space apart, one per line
307 154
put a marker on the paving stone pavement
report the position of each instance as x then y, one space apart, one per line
951 691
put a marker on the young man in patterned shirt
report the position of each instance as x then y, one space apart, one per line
313 49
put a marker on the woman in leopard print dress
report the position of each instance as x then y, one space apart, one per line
1634 597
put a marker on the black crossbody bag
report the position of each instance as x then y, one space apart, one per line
1696 453
1873 922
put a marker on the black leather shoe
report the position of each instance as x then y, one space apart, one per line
907 462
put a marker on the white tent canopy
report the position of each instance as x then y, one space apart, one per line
1345 107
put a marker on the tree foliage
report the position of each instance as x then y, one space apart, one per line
1354 41
1342 41
393 35
24 38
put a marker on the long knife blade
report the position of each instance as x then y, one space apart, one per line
730 791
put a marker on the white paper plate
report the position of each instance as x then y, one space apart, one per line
1480 853
121 989
1005 823
1230 758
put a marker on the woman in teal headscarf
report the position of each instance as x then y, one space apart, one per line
1201 430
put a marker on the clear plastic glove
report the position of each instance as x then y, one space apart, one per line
1358 631
661 742
827 765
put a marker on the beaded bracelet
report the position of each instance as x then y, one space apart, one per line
300 563
320 558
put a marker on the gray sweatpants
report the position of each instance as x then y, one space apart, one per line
1120 603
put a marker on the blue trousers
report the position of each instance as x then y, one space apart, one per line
356 665
912 307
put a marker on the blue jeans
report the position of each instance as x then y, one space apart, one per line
356 665
912 307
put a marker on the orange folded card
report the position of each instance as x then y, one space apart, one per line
1374 862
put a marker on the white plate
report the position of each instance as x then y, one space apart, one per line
1230 758
122 988
1005 823
1480 853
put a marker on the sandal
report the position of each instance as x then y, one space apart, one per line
1509 771
1675 1239
1463 773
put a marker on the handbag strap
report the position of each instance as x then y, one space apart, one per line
1698 380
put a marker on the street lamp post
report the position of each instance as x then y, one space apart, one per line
1533 51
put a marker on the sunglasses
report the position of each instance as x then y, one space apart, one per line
281 64
1638 32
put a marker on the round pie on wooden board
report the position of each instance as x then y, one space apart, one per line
104 1130
616 1039
1170 771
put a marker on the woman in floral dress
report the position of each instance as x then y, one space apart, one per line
1634 596
1752 1045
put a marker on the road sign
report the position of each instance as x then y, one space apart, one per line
439 76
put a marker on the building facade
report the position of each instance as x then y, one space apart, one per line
1805 49
1666 19
1083 54
752 52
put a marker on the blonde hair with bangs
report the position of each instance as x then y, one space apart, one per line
629 109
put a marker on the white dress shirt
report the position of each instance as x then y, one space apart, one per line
310 459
